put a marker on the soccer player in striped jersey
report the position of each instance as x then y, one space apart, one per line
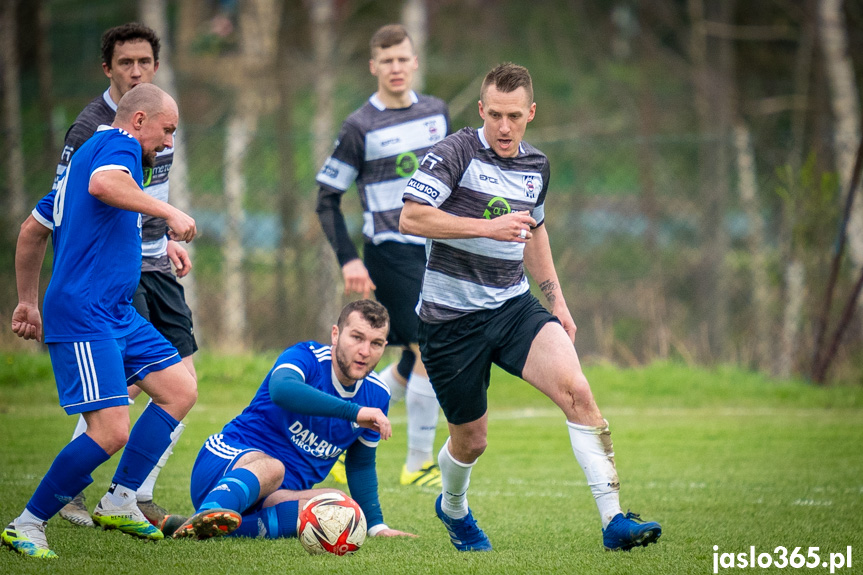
98 343
317 402
130 56
479 197
377 148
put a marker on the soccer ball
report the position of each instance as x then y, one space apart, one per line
332 523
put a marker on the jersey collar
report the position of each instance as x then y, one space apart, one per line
375 101
344 392
480 132
107 97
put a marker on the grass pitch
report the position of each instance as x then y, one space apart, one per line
719 457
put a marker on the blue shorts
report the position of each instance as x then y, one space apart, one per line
215 459
93 375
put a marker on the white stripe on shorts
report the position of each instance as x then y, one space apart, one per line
87 371
217 447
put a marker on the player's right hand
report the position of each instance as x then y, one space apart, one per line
181 227
27 321
512 227
374 418
357 278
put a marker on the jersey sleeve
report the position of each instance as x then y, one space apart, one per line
342 167
438 174
44 210
538 212
120 152
299 359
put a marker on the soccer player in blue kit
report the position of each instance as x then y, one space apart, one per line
98 343
316 402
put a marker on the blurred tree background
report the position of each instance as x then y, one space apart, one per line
701 152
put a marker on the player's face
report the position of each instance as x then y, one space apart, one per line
131 64
157 133
394 68
357 348
505 116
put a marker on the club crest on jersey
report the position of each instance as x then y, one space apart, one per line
434 133
530 185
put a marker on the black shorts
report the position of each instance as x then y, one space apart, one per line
162 301
458 354
397 270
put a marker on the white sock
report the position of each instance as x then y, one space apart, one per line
423 409
455 477
145 492
80 428
27 518
595 453
120 495
397 389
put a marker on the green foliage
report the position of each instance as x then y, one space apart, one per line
811 202
719 456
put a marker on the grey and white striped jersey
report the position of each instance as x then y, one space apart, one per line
464 177
379 147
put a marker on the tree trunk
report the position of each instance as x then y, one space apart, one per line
748 189
415 18
16 204
153 13
50 149
326 282
711 60
846 111
234 326
258 25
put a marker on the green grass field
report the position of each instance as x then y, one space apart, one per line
719 457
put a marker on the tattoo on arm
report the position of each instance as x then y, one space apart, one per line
548 288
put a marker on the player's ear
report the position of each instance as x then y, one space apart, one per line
335 334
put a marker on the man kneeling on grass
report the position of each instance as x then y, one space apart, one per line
318 400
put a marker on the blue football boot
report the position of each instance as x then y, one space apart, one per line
463 533
628 531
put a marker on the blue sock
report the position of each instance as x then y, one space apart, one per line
237 490
68 476
273 522
149 439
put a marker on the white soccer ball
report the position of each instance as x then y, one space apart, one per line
332 523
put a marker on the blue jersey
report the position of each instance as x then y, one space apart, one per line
307 445
97 247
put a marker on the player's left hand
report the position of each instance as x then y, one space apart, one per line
27 321
179 256
374 418
561 312
393 533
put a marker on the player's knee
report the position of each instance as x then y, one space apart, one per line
469 448
112 439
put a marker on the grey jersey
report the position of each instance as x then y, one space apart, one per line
463 176
155 242
378 148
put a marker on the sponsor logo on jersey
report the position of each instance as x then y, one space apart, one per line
530 183
497 206
406 164
148 176
312 443
329 171
424 189
489 179
432 160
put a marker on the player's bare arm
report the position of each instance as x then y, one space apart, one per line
374 418
430 222
540 264
357 279
29 255
118 189
179 256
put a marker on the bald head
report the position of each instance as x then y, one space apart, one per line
149 99
150 115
